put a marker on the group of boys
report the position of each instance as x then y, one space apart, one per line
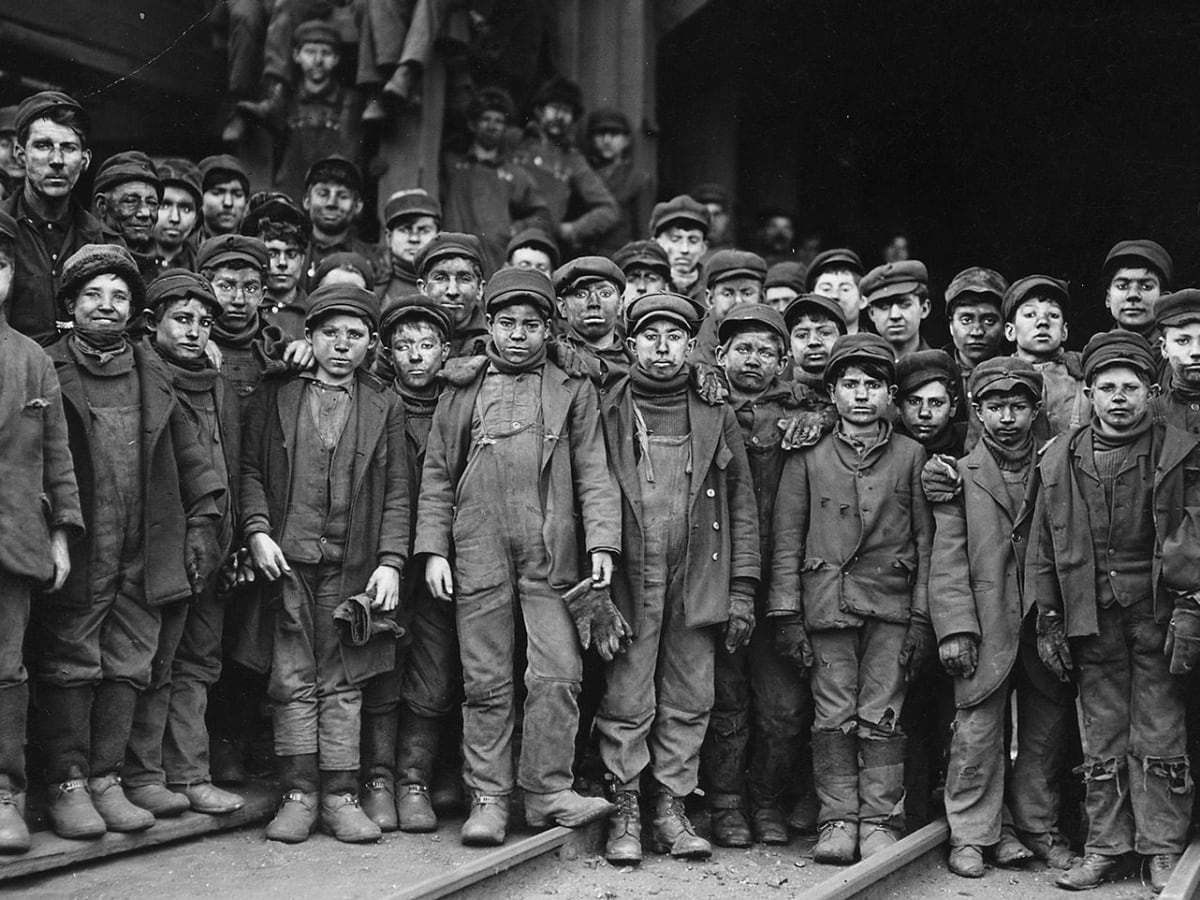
707 504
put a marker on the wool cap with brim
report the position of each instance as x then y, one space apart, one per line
415 308
1117 348
862 348
91 260
411 202
608 119
1004 374
180 284
334 170
1178 308
536 238
1043 286
316 31
511 285
448 243
223 249
8 225
344 299
682 211
277 208
345 259
221 168
643 254
917 369
662 305
710 192
121 168
975 285
1141 253
810 304
837 258
583 269
179 172
788 274
893 280
40 105
726 264
753 317
8 119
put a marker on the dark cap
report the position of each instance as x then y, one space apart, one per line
836 258
646 254
334 170
1004 374
273 208
91 260
180 284
1117 348
491 99
560 90
1041 285
1141 253
536 238
511 285
862 348
662 305
608 119
316 31
179 172
753 317
587 268
987 285
224 249
39 105
8 119
1178 308
411 202
711 192
448 243
917 369
726 264
893 279
813 303
8 225
345 259
221 168
121 168
789 274
415 308
682 211
349 299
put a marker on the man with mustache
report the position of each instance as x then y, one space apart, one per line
126 196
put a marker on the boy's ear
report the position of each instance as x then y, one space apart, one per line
1010 332
721 354
925 307
691 347
1066 332
892 392
631 345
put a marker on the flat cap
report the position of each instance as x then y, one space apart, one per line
726 264
645 254
184 173
121 168
316 31
608 119
536 238
415 308
893 279
39 105
181 284
919 368
662 305
587 268
221 168
810 304
224 249
1037 285
682 211
273 207
836 258
711 192
753 316
1004 374
789 274
345 259
560 90
1139 253
511 285
411 202
8 119
985 284
862 348
1178 308
1117 348
448 243
91 260
8 225
334 170
348 299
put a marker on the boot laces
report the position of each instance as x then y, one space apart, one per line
627 803
678 811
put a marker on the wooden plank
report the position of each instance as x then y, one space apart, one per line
850 882
1185 880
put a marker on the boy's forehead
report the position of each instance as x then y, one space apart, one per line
235 273
331 186
452 264
343 320
679 233
1039 299
837 275
412 329
1134 273
411 220
980 303
660 323
226 184
893 300
750 333
520 311
808 320
318 44
1011 396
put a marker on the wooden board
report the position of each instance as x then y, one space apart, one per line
854 880
1185 880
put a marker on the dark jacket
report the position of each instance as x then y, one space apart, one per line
634 192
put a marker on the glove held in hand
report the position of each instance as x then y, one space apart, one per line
357 623
597 619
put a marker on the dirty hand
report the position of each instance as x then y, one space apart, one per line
940 479
791 642
60 556
245 566
708 384
572 361
602 568
918 642
439 579
201 555
801 430
384 588
959 654
597 620
268 558
1052 645
740 625
298 355
1182 646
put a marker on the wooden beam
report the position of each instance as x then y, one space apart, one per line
1185 880
852 881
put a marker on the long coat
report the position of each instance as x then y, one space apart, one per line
722 541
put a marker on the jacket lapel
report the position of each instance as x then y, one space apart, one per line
372 418
556 402
291 396
618 415
705 424
989 479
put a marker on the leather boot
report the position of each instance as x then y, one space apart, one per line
624 844
295 819
768 825
271 111
1010 851
835 779
1091 871
206 797
14 833
673 831
565 808
157 800
966 861
108 797
416 749
487 825
881 794
342 817
378 797
378 752
414 812
729 827
71 812
837 841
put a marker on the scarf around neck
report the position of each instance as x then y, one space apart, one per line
501 364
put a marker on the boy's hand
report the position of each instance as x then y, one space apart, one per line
959 654
439 579
802 430
740 625
918 641
940 479
384 589
202 555
268 558
1052 645
298 355
245 566
791 642
1182 646
602 568
60 555
213 352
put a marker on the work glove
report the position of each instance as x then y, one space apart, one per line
572 361
918 642
740 625
959 654
940 479
708 384
803 429
356 622
1182 646
201 553
791 642
1052 645
597 619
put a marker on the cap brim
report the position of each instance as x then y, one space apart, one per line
736 273
1180 318
234 256
661 314
685 221
1005 384
893 290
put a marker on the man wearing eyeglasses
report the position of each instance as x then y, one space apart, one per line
589 293
125 197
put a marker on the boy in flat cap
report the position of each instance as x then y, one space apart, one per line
333 200
680 226
783 284
647 269
690 562
325 511
1137 273
151 504
178 215
39 516
533 248
1111 496
126 196
411 219
927 396
974 301
897 300
517 504
850 573
589 290
226 187
731 277
836 274
1177 317
283 228
168 746
610 154
814 323
450 272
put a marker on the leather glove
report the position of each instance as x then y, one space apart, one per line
708 384
791 642
804 429
959 654
356 622
740 625
918 642
201 554
1052 645
1182 646
597 620
572 361
940 479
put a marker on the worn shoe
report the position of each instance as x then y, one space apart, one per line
768 825
72 814
873 838
487 825
206 797
565 808
1161 866
803 817
227 761
729 826
1051 848
14 833
342 817
673 831
1010 851
295 820
624 844
967 861
836 842
414 810
158 800
378 798
1092 870
108 798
